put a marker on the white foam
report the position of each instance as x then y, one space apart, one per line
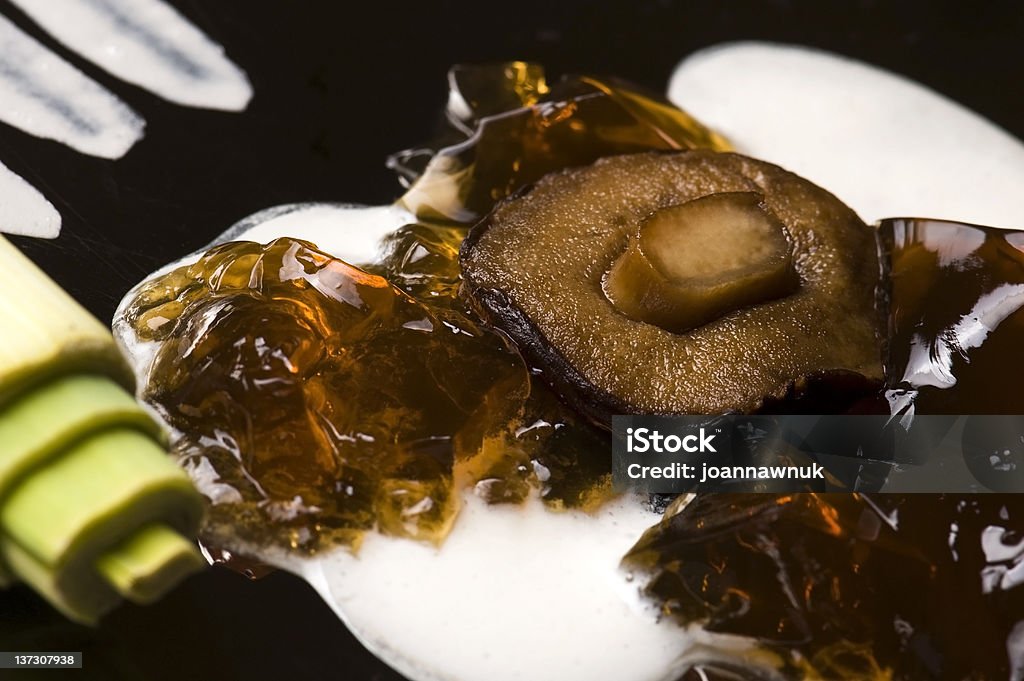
45 96
350 232
516 593
885 145
23 210
148 43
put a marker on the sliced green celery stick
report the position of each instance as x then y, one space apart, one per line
146 565
47 419
60 520
142 569
44 421
92 595
45 332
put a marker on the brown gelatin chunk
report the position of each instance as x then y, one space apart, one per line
319 400
846 586
535 269
690 264
491 151
956 316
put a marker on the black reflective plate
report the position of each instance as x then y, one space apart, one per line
339 85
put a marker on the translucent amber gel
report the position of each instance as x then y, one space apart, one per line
334 403
330 399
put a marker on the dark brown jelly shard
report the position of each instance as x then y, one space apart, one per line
956 324
315 401
423 260
846 586
536 267
547 448
506 128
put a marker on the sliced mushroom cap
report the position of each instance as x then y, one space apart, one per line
786 295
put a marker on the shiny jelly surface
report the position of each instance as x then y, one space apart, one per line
956 321
506 128
317 396
847 586
314 401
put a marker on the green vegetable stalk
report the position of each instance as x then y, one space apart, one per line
92 510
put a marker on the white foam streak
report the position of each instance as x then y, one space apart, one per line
45 96
148 43
23 210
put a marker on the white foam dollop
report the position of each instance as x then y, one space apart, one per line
885 145
515 593
23 210
45 96
148 43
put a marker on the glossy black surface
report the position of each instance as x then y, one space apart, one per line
338 87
